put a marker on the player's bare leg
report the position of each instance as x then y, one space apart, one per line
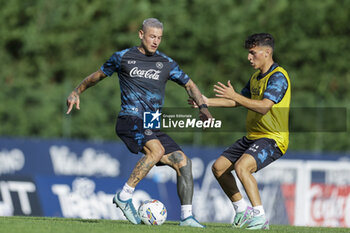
183 167
154 151
222 170
244 168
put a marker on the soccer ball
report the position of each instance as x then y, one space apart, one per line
152 212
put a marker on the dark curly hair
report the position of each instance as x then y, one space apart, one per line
259 39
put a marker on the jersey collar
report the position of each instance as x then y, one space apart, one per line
273 66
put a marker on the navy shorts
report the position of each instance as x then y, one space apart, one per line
264 151
130 130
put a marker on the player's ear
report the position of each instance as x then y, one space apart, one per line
268 52
141 34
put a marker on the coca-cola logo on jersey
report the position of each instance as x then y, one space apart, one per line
149 74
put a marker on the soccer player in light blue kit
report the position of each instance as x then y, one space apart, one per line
143 72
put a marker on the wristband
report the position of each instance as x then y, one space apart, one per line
203 106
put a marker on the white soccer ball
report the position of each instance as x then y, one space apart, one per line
152 212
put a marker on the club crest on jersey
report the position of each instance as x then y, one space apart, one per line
151 120
148 132
159 65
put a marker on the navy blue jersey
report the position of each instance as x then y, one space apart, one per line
276 86
142 79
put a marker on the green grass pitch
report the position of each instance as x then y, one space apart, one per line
62 225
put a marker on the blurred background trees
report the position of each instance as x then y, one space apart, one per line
48 46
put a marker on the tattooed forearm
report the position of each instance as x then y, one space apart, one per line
90 81
194 93
141 169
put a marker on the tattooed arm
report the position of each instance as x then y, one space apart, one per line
195 94
89 81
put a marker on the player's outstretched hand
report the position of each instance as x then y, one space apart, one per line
72 99
224 91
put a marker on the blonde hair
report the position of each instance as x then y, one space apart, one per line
151 22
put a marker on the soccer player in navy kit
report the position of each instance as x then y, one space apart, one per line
143 72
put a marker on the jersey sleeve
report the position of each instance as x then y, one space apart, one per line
276 87
246 90
177 75
113 63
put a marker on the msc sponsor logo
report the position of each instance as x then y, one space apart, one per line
91 163
256 91
11 161
82 201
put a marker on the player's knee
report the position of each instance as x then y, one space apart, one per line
240 169
159 153
178 159
216 170
154 150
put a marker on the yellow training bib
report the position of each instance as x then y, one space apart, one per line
273 124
